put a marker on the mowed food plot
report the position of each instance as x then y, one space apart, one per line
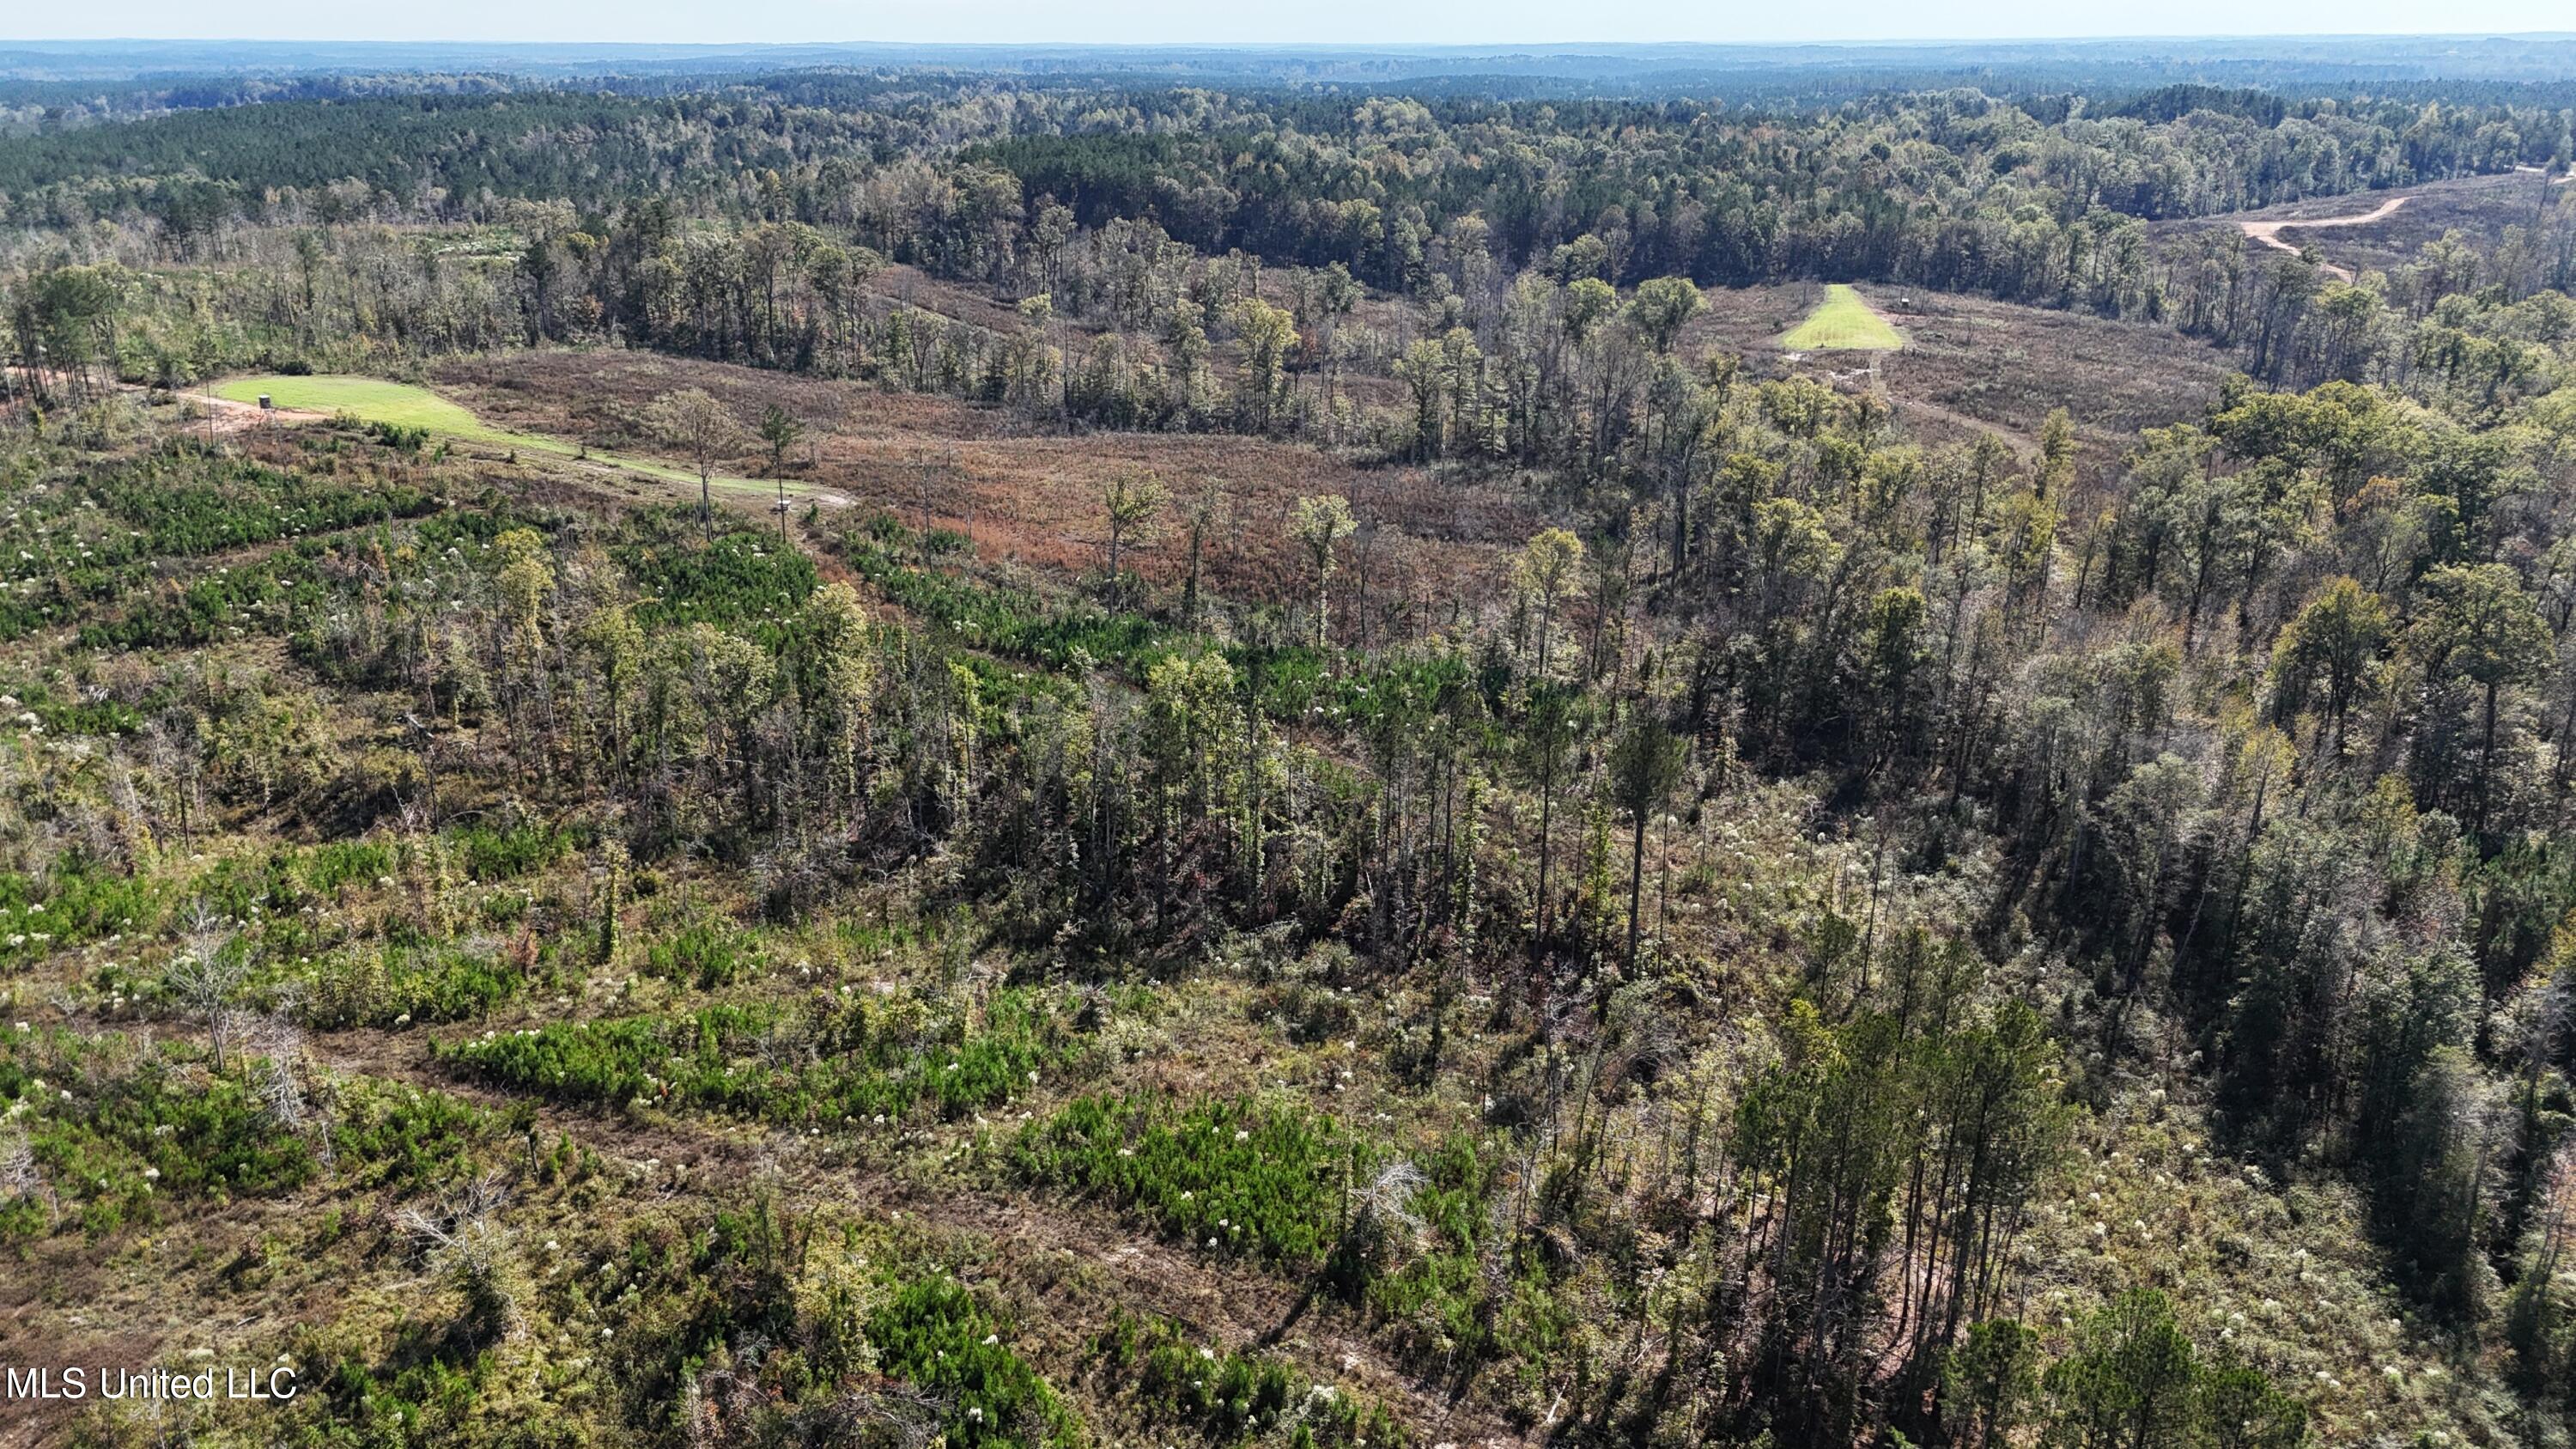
407 405
1843 322
399 404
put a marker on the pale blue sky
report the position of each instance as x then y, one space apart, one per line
1256 21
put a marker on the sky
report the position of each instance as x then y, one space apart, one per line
1370 22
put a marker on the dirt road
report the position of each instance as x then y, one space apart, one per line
2269 232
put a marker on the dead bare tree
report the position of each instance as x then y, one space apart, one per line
207 979
280 1046
22 1178
462 1238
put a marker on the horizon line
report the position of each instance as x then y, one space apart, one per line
1310 45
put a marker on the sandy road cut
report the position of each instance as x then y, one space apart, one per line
2269 232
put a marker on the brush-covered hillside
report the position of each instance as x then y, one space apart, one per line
933 762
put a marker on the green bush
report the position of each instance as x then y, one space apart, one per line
112 1134
1229 1397
393 986
1442 1299
400 437
327 867
512 851
1229 1176
409 1136
740 580
859 1072
933 1334
703 953
75 906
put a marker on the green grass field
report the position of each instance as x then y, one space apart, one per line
378 401
1843 322
404 404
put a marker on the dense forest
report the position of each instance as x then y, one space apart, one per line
1029 760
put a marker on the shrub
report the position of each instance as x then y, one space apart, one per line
703 952
77 905
402 438
934 1334
395 987
513 851
738 580
1230 1176
725 1057
1230 1397
326 868
113 1134
414 1138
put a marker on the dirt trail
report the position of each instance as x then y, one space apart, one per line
229 417
1237 1306
2269 232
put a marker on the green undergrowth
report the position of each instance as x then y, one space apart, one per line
932 1333
387 986
1231 1177
81 902
1017 622
107 1130
740 580
1292 681
400 1136
1417 1244
1446 1282
846 1061
1177 1385
111 1128
70 907
178 547
111 533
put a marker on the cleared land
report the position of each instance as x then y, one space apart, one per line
2480 210
376 400
1843 322
1031 496
1972 363
2269 232
403 404
2383 233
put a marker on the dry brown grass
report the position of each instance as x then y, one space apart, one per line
2477 207
1974 363
2007 365
1033 497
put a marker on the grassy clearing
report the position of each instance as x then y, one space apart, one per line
1843 322
399 404
407 405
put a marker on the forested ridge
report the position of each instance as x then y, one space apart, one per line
1575 874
